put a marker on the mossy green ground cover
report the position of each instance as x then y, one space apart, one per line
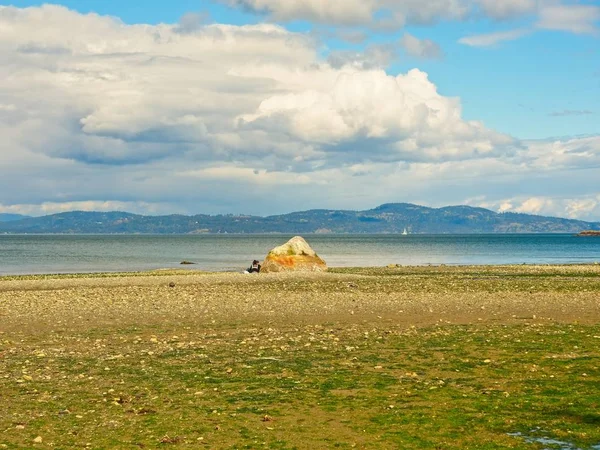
315 387
334 384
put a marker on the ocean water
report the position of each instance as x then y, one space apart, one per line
35 254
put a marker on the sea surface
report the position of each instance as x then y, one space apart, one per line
39 254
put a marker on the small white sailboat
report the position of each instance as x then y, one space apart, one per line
404 233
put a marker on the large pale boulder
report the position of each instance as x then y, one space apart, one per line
294 255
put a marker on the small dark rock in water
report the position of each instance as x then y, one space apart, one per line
187 262
171 284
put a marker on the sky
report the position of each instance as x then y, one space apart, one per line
269 106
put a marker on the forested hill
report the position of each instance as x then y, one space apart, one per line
388 218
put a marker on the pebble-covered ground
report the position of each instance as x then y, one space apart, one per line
402 295
478 357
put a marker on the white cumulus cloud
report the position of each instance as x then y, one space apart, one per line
490 39
421 48
507 9
391 14
580 19
586 207
375 13
337 11
200 117
395 118
46 208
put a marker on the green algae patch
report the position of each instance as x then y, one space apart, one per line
303 387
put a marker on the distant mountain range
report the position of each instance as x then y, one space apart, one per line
388 218
11 217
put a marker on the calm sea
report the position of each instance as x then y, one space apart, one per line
31 254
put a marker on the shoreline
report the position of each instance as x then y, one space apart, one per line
93 254
406 296
168 271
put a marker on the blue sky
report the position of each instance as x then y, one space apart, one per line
516 88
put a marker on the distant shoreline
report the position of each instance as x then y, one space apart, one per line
392 218
301 233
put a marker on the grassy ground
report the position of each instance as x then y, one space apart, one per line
412 358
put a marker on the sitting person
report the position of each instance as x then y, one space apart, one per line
255 267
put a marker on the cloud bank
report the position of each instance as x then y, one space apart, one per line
395 14
196 117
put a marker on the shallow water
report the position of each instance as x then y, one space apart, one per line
23 254
552 444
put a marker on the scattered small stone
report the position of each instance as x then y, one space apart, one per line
171 284
38 440
166 439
